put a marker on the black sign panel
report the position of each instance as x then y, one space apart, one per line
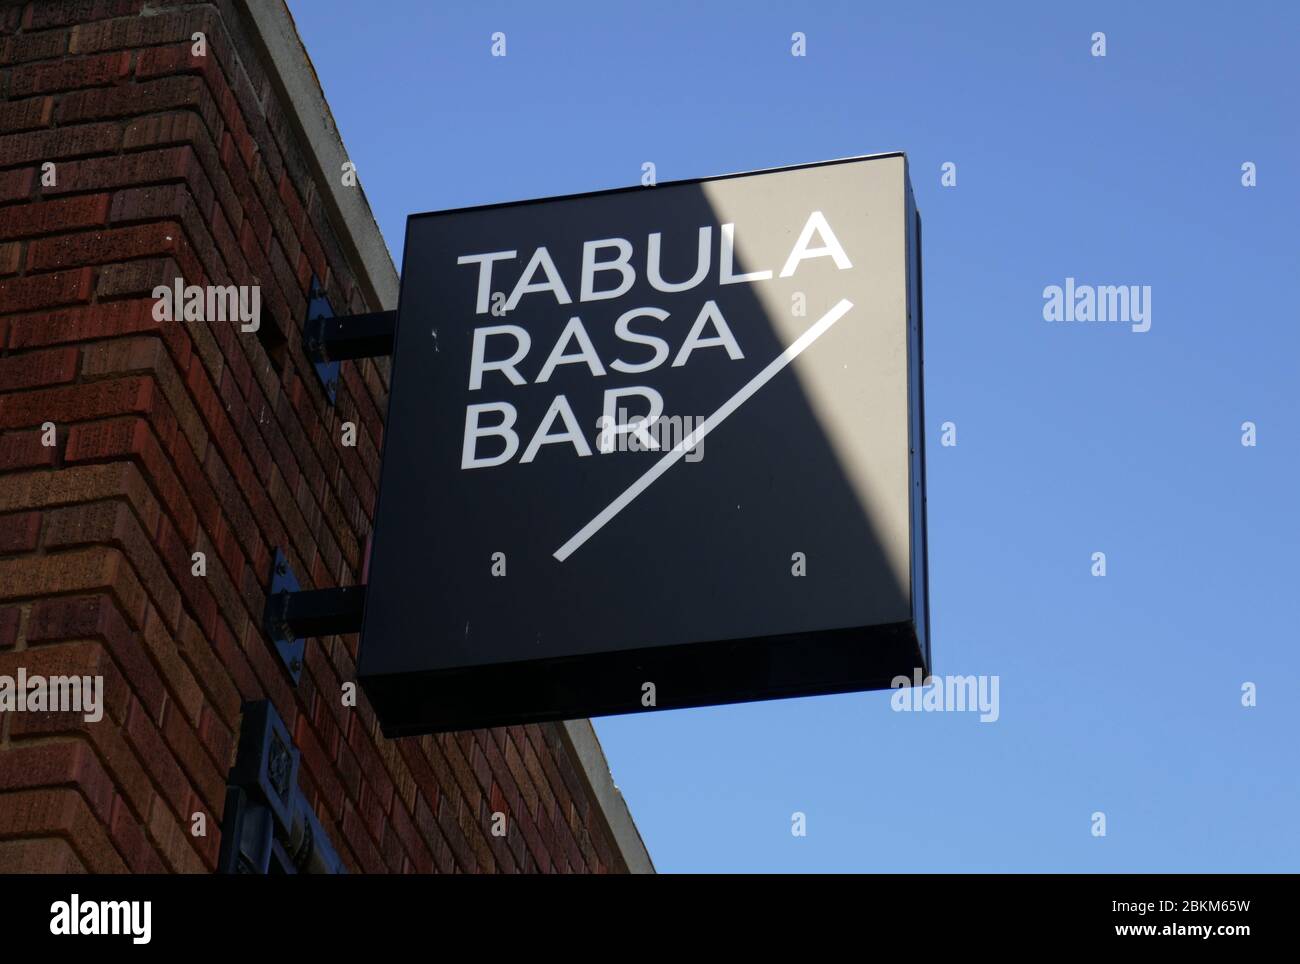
653 447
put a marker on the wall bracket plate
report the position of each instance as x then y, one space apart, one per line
275 623
318 308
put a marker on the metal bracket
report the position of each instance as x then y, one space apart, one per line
292 615
289 644
329 339
319 612
319 308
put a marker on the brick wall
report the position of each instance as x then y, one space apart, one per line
175 437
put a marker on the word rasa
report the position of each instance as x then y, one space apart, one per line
499 350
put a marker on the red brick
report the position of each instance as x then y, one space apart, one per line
129 836
189 753
145 737
218 739
96 247
83 323
145 167
15 185
33 46
160 61
125 437
208 179
96 617
454 752
42 15
303 271
163 130
25 115
270 673
321 765
63 813
79 658
50 78
169 93
38 368
198 597
293 206
165 651
23 450
136 277
428 826
259 222
143 354
11 618
311 247
231 657
10 261
111 522
159 202
46 290
452 824
78 403
172 837
68 572
80 140
19 531
39 855
46 487
412 844
46 217
208 846
362 843
160 27
60 763
129 779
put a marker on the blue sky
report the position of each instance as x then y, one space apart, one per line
1120 694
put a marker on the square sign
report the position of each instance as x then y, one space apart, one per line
654 447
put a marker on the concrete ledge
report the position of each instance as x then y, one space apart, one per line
585 747
291 72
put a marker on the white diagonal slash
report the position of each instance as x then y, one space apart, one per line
708 425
